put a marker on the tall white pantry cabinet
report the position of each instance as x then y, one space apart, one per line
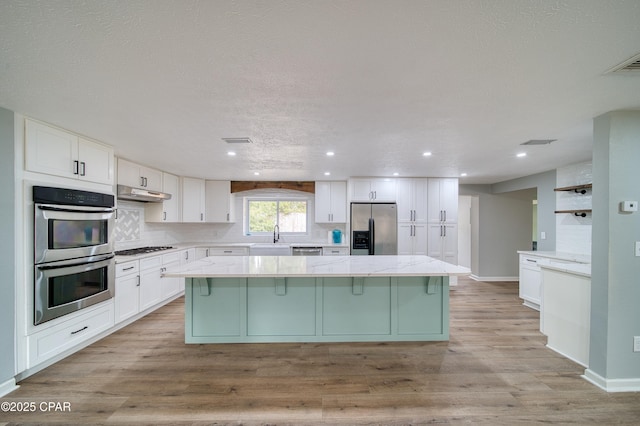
443 219
412 197
427 217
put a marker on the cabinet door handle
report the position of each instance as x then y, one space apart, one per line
228 217
137 280
82 329
444 228
201 217
164 215
445 215
75 167
128 269
83 168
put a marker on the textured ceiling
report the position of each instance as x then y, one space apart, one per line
377 82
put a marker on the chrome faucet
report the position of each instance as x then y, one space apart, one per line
276 239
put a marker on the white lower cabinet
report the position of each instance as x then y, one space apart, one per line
530 282
202 252
127 290
45 344
150 288
412 239
335 251
187 256
140 285
170 286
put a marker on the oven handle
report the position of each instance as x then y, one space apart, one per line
84 209
77 262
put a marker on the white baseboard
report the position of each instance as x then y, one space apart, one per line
477 278
612 385
8 387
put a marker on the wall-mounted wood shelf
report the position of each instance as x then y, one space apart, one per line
581 213
578 189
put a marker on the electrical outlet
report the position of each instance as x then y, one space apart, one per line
636 343
638 248
543 235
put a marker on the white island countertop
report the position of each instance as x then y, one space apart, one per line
316 266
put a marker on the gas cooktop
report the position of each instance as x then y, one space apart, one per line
141 250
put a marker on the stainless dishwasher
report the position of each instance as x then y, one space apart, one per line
306 251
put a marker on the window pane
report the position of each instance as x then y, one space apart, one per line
292 216
262 216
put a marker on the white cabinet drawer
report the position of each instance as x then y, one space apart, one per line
55 340
150 262
127 268
529 260
228 251
335 251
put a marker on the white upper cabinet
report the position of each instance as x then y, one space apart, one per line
193 200
57 152
373 189
219 201
331 202
167 211
443 200
412 200
137 176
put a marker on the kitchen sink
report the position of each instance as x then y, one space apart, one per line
270 249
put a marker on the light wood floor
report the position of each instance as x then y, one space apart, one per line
494 370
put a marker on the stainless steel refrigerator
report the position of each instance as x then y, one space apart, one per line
374 228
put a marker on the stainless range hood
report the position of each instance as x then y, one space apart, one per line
139 194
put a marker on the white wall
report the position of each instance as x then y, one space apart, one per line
464 231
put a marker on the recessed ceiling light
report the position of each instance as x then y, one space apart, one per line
231 153
463 174
256 173
330 154
327 173
521 154
396 173
426 154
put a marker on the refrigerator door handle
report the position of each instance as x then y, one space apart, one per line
372 236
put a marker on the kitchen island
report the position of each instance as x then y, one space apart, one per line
242 299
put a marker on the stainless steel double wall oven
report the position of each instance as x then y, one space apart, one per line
74 261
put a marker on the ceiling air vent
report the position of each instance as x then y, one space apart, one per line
237 140
630 65
538 142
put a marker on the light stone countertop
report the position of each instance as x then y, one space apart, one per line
571 257
316 266
582 269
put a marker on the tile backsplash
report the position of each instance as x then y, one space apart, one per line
127 225
573 232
